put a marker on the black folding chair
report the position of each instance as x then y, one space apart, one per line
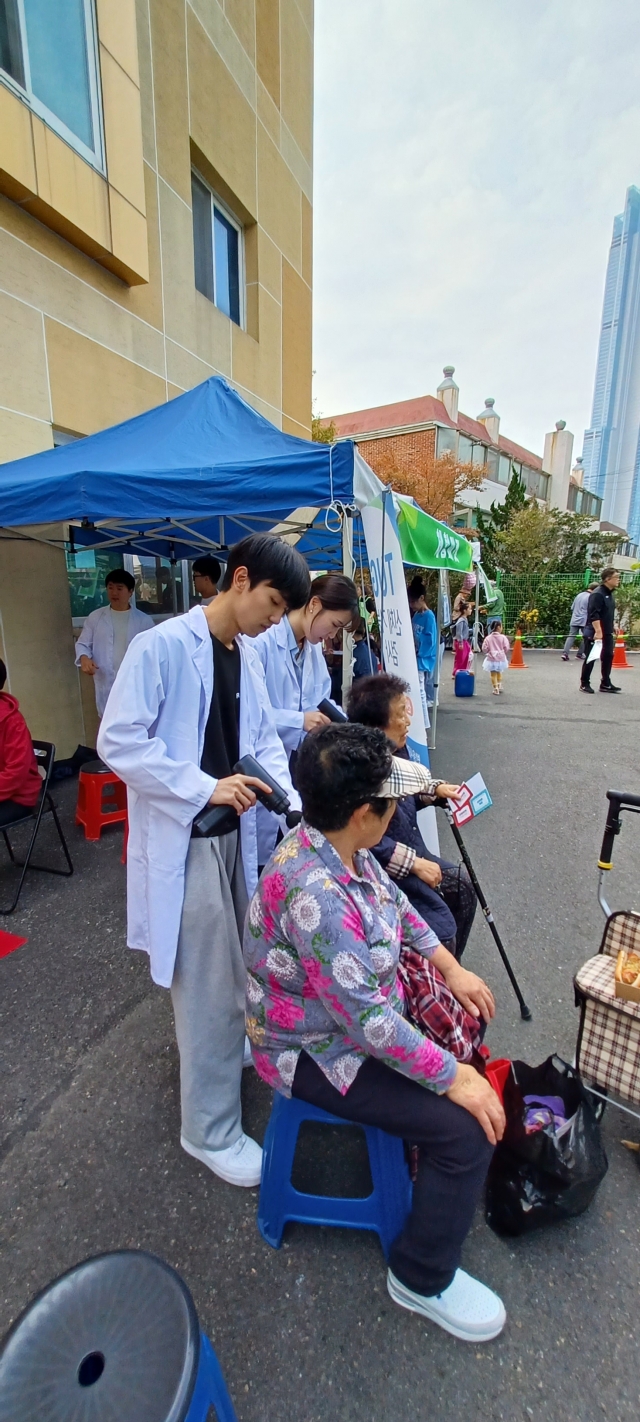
45 755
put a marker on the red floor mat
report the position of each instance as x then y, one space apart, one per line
9 942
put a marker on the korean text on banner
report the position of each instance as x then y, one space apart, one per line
426 543
392 607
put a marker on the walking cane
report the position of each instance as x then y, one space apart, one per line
525 1012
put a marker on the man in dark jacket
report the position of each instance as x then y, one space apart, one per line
599 627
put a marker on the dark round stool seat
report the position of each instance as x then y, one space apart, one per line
116 1339
95 767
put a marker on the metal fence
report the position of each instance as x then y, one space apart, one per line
539 605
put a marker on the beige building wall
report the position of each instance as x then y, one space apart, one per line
100 318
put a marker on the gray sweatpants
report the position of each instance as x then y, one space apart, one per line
576 631
208 992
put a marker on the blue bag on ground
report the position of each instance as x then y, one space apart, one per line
547 1173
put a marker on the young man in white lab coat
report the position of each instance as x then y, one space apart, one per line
189 700
206 576
108 632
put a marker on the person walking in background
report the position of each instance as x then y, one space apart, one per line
461 640
425 636
108 632
365 661
206 576
577 623
599 625
495 609
496 648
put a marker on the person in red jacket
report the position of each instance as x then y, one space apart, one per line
20 781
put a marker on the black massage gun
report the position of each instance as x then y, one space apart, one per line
222 819
335 713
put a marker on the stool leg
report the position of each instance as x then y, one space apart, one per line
277 1161
210 1389
92 825
391 1184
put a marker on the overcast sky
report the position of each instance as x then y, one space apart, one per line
470 156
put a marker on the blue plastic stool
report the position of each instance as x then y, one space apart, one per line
117 1336
464 684
384 1210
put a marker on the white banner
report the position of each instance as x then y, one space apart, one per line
392 606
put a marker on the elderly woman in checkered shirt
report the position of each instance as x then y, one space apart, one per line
441 892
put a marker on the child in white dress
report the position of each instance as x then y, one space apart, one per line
496 648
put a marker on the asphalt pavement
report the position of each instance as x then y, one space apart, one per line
89 1151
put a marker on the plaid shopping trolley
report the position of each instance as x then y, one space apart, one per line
608 1049
608 1046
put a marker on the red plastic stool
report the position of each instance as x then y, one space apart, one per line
102 799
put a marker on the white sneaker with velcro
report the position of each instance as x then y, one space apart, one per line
239 1164
467 1308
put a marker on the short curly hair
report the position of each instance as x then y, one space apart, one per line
369 700
338 769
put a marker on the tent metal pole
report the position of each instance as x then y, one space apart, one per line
433 713
476 623
348 570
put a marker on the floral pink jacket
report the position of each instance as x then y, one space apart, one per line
321 947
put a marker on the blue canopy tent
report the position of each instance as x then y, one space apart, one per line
193 475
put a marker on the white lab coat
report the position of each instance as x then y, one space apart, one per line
152 736
288 701
96 641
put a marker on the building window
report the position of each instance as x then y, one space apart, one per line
492 465
464 449
478 454
582 501
447 440
48 57
217 250
504 469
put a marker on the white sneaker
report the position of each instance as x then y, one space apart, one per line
467 1308
247 1059
239 1164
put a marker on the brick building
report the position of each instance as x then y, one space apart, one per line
409 431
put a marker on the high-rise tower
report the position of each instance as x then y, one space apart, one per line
611 451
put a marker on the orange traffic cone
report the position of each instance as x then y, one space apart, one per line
620 654
517 659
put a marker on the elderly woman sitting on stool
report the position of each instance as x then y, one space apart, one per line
328 1021
440 891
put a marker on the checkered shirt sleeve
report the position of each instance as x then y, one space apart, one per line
401 862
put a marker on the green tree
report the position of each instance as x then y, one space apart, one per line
540 540
321 433
496 520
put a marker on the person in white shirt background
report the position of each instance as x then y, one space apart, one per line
107 632
206 576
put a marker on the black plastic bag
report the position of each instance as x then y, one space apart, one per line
540 1179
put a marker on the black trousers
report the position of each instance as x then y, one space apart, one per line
10 810
608 644
454 1156
460 896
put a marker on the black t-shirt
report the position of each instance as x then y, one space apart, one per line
221 747
602 606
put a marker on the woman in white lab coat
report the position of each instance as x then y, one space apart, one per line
296 672
107 632
291 653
